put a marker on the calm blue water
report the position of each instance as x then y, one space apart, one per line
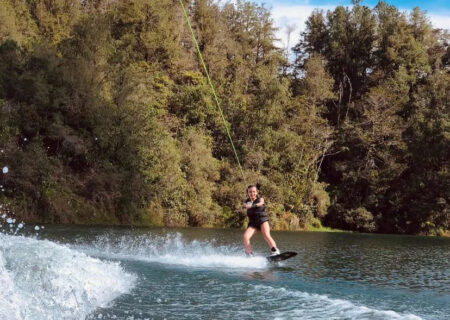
121 273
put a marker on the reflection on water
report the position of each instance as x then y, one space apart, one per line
204 274
394 261
266 275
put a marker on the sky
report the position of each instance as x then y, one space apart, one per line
295 12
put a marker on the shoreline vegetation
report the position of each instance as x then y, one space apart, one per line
43 226
106 117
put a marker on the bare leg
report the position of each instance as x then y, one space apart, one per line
248 234
265 229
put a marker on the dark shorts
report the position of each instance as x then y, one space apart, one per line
256 223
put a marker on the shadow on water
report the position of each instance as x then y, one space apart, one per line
272 273
261 275
281 268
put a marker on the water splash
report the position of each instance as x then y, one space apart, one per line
44 280
8 224
172 249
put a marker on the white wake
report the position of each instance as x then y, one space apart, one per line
173 250
40 279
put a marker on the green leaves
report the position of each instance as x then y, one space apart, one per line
106 115
382 62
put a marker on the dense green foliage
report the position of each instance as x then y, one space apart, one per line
390 168
106 116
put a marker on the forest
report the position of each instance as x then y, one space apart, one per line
106 116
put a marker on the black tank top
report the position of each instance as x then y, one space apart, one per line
256 212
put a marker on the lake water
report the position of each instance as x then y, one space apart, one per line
156 273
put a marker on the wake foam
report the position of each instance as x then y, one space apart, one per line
303 305
40 279
173 250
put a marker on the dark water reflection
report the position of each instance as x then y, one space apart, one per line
408 262
409 275
413 263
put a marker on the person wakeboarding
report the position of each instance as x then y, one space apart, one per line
258 221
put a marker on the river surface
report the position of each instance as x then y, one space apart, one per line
67 272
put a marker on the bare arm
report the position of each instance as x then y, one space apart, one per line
248 205
260 203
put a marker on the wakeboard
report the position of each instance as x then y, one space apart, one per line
282 256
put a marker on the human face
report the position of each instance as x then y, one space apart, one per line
252 193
